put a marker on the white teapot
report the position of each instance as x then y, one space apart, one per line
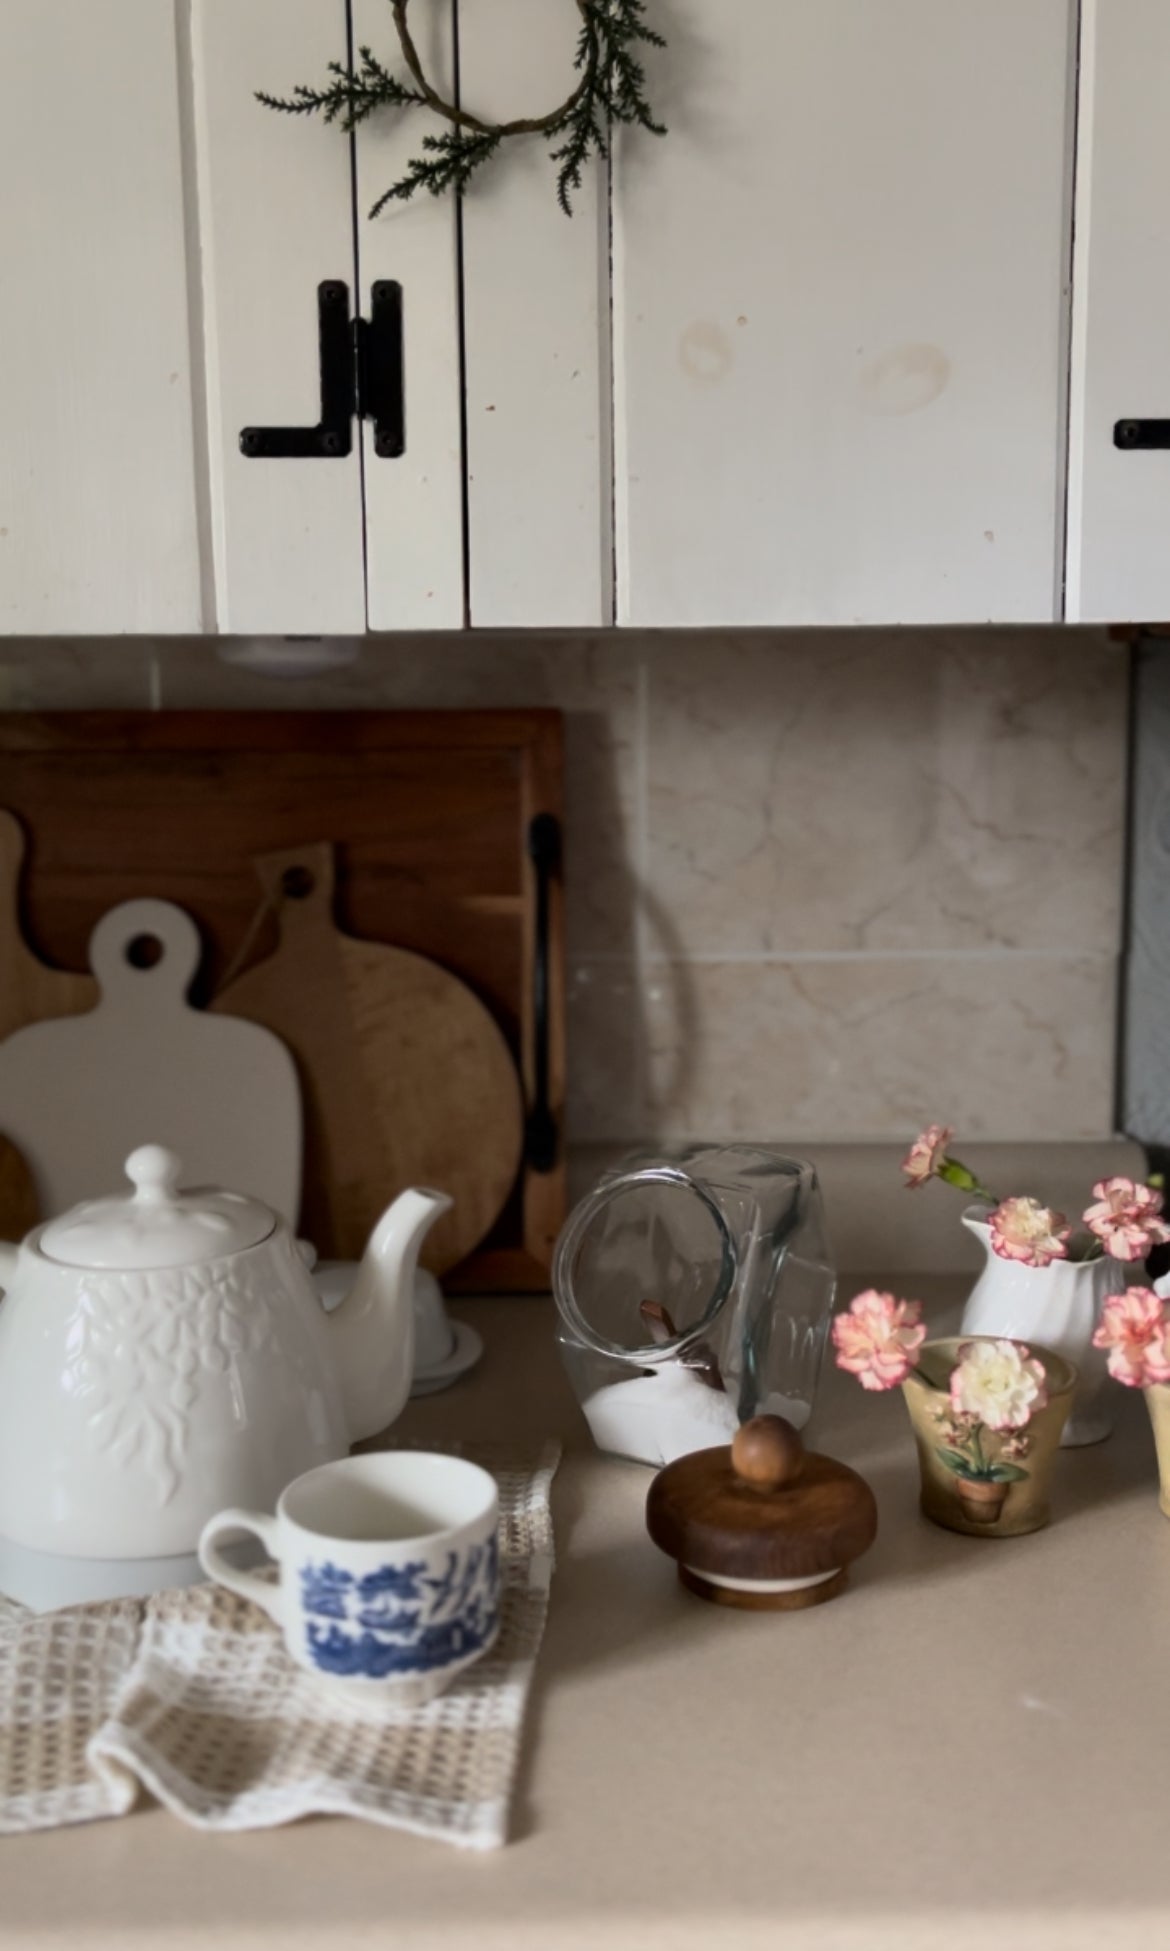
164 1355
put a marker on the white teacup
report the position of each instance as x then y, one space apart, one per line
389 1571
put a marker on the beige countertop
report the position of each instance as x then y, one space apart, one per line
971 1747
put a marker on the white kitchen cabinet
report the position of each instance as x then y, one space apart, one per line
839 304
98 496
1119 497
163 244
413 501
536 331
275 218
320 544
806 361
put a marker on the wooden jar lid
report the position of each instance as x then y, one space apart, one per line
764 1524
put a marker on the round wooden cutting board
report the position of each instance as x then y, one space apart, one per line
407 1079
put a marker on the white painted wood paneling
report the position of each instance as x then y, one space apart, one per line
414 505
98 526
536 310
1119 502
839 315
276 217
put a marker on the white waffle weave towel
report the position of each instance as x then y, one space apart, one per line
192 1697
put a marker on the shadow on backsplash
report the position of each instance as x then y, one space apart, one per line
822 883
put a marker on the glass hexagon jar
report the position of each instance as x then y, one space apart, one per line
694 1290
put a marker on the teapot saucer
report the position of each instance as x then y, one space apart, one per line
465 1353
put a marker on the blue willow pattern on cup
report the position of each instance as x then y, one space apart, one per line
399 1619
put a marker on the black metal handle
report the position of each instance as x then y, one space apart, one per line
381 377
540 1131
332 437
1130 434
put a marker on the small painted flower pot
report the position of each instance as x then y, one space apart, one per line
984 1480
1158 1403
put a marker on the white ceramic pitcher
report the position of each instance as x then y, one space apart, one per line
1057 1306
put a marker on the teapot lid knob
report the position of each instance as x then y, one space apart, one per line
154 1173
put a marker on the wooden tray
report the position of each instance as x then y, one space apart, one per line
431 813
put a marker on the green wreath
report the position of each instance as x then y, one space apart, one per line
611 89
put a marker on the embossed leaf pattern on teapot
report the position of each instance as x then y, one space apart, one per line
136 1349
166 1354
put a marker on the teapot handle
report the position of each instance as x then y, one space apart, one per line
219 1568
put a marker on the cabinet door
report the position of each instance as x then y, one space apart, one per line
1119 498
275 220
414 502
839 311
98 528
536 331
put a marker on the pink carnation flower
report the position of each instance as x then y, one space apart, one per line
1023 1229
926 1154
1126 1218
1133 1329
878 1339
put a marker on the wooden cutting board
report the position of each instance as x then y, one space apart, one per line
433 817
407 1079
29 989
18 1199
80 1093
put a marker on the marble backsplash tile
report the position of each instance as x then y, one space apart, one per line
895 791
821 885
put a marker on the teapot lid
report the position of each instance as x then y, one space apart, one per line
157 1226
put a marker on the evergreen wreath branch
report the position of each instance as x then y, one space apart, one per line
611 89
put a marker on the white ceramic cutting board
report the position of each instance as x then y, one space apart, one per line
78 1094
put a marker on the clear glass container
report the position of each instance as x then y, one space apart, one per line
694 1290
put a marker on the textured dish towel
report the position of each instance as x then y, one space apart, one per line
192 1696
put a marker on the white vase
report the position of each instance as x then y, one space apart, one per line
1057 1306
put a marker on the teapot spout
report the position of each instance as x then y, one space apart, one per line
373 1329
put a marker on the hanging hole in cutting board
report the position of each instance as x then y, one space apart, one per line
144 952
297 883
121 963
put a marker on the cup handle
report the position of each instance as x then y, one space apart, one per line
219 1568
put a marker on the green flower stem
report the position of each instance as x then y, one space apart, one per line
977 1453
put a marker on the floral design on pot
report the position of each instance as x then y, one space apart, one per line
996 1387
1045 1280
987 1412
1134 1332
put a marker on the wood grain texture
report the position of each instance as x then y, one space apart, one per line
80 1093
407 1079
98 529
701 1512
29 989
1145 1106
428 812
839 315
19 1208
1119 502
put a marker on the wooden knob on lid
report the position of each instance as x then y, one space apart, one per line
767 1452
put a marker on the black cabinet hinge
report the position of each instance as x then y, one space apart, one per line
361 376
